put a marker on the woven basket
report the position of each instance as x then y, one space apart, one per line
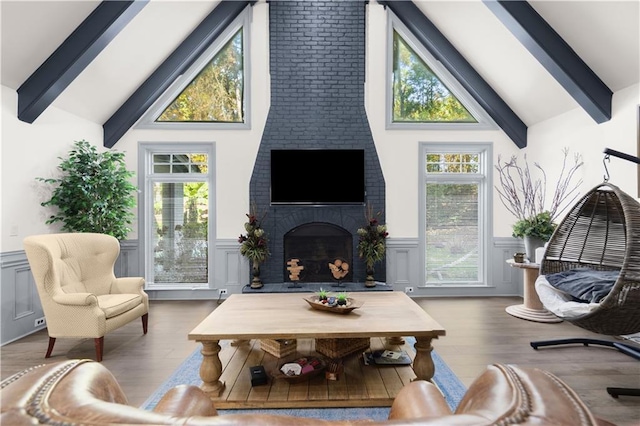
338 348
280 347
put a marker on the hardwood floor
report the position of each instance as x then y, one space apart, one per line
479 332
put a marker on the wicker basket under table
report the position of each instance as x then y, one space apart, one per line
338 348
279 347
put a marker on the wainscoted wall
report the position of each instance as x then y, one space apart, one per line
21 305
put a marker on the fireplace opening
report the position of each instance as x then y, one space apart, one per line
318 252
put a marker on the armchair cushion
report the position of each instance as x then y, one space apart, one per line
115 304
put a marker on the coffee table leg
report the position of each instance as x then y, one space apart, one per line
211 368
423 363
395 340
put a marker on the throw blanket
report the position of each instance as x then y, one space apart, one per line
584 284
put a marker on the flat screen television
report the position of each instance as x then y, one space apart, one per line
317 176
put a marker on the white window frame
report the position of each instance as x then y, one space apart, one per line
484 121
485 205
148 120
147 178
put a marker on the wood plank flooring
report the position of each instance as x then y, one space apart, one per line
479 332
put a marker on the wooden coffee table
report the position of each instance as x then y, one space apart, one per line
289 316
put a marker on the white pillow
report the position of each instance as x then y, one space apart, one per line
561 303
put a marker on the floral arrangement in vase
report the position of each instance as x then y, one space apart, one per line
372 244
254 246
525 196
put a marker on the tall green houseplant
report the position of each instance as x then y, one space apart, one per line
94 192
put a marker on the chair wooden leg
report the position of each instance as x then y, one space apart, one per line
145 322
99 342
52 341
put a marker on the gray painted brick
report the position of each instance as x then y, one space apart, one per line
317 54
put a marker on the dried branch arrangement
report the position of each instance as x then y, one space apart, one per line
524 196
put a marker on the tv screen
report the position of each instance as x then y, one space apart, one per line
317 176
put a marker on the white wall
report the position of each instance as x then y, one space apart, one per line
31 150
577 131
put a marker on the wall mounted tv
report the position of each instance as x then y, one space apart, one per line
317 176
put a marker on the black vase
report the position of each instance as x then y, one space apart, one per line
255 271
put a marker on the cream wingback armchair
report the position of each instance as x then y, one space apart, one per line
80 295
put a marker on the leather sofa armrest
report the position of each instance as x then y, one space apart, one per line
419 399
185 401
127 285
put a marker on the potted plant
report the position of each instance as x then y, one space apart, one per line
524 197
254 246
323 295
342 299
94 192
372 244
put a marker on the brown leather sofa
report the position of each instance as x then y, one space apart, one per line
84 392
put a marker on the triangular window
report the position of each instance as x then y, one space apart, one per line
418 94
423 92
212 92
216 93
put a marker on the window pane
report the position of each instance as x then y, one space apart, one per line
453 163
161 169
418 94
216 94
181 158
180 163
180 240
452 233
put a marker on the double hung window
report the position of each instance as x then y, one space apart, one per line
176 213
454 195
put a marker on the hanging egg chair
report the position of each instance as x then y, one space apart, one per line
600 234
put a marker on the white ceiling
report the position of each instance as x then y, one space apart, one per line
605 34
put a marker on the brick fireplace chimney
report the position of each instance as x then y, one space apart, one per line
317 61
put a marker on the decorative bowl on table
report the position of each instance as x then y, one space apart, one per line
332 306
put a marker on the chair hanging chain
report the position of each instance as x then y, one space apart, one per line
606 158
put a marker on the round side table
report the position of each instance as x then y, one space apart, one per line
532 309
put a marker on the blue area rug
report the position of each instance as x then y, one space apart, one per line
188 373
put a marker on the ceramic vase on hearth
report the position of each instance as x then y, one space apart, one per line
369 280
256 282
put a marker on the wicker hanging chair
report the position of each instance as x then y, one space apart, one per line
602 232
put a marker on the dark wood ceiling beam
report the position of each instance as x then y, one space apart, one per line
73 55
550 49
438 45
176 64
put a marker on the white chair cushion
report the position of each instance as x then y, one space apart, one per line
561 303
116 304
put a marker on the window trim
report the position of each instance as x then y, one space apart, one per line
484 121
146 179
485 205
148 120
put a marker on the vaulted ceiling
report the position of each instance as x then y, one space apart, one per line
603 34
